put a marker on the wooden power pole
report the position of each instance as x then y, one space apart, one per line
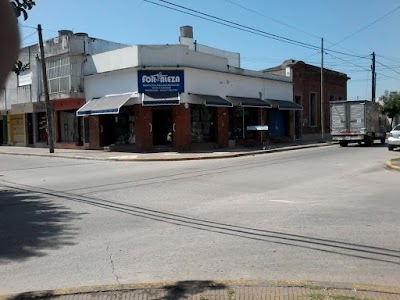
373 94
322 91
49 113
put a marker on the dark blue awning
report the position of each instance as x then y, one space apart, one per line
160 98
211 100
250 102
284 105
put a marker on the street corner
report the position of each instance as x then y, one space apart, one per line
393 164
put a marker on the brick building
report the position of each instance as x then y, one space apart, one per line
307 92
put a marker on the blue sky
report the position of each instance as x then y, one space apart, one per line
140 22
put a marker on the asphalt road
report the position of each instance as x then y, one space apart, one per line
324 214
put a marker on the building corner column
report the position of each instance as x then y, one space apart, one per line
222 125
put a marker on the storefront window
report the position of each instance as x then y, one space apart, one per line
42 127
240 118
203 124
124 131
69 129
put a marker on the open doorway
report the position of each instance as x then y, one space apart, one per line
162 126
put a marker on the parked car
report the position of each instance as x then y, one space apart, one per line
394 138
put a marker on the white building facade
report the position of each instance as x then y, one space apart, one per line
184 96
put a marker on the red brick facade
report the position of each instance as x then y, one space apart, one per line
307 80
63 105
222 126
143 127
181 117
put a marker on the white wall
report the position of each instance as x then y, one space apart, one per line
111 60
223 84
196 81
117 82
233 57
179 55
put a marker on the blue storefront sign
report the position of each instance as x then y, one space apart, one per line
161 81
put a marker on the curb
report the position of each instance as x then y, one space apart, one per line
138 159
390 165
228 283
257 152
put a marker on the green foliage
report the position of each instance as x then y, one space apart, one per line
391 104
21 7
20 67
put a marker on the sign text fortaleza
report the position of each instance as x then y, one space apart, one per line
156 81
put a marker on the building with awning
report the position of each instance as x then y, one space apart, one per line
180 97
23 118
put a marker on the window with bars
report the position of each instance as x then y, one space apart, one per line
59 74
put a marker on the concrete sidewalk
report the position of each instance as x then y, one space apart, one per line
156 156
212 290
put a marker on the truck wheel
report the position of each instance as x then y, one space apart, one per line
390 148
369 142
343 143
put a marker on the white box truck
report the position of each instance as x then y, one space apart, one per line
357 121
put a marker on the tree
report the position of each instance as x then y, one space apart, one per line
391 104
20 8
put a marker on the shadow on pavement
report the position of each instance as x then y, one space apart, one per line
331 246
31 223
178 290
185 289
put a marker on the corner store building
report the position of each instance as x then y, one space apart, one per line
184 96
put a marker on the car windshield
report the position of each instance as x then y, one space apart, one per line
396 128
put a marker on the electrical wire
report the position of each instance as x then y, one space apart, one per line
369 25
228 23
389 68
221 21
275 20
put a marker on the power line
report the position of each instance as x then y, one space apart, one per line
221 21
389 68
369 25
231 24
28 36
350 62
26 26
270 18
392 59
283 23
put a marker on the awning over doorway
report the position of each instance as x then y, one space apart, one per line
284 105
160 98
106 105
250 102
210 100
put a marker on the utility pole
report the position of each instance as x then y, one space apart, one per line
49 113
373 77
322 91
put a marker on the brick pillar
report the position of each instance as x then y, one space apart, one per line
291 124
262 120
94 132
222 125
56 127
143 119
182 137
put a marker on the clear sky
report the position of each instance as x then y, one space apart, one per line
361 27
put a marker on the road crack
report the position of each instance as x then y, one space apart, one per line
112 264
